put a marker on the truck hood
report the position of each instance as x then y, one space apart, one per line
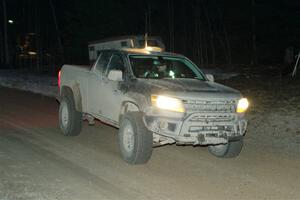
186 88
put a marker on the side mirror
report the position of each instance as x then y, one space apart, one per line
115 75
210 77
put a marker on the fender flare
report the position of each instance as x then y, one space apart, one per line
128 106
75 93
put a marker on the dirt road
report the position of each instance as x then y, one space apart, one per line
37 162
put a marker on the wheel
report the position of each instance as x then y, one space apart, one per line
230 150
70 120
135 141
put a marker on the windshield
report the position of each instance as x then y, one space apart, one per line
158 67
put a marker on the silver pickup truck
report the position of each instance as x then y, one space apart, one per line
154 98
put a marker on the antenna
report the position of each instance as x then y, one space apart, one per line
146 40
147 22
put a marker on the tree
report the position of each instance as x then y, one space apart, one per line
254 49
61 51
6 53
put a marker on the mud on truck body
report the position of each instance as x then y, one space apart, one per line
154 98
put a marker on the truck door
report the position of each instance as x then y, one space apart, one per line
95 84
111 93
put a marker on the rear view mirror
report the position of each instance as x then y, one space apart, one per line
115 75
210 77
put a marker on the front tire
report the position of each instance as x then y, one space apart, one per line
230 150
135 141
70 120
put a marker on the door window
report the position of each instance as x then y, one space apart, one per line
103 61
116 63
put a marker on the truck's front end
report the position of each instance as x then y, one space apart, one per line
184 107
202 120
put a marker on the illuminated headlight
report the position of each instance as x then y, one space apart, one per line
242 106
167 103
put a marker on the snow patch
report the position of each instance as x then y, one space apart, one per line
47 85
220 74
41 84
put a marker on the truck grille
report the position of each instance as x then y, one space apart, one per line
210 106
212 118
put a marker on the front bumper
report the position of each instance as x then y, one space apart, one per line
198 128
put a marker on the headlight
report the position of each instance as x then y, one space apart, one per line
167 103
242 105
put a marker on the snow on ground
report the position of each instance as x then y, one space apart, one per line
41 84
274 112
219 74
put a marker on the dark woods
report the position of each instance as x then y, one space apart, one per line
45 34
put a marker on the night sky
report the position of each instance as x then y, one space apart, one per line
210 32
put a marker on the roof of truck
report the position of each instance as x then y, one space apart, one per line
146 52
124 37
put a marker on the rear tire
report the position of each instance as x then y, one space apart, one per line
135 141
230 150
70 120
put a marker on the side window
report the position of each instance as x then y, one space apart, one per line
103 61
98 53
116 63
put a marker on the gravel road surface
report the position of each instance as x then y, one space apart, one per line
37 162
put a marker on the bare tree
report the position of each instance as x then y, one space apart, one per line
211 34
200 44
227 42
171 23
6 53
205 49
254 49
185 37
61 50
1 47
197 39
37 29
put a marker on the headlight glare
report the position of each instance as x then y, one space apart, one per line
167 103
242 106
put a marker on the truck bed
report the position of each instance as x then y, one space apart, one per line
85 67
76 78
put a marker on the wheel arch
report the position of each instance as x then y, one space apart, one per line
75 93
128 106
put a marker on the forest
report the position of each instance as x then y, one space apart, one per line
210 32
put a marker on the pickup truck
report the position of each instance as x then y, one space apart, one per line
154 98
